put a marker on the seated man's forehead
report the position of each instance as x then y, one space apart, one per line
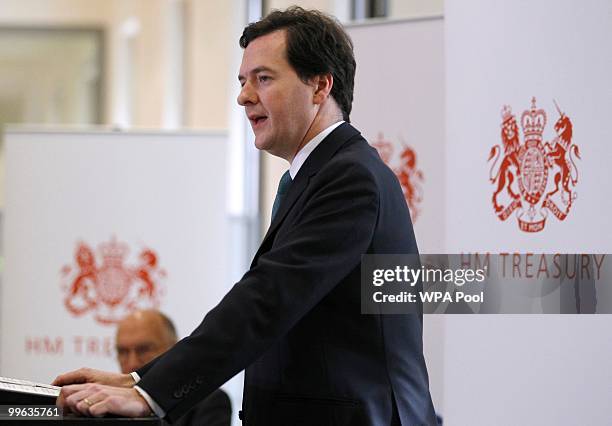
137 343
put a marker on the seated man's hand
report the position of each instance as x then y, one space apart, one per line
89 375
98 400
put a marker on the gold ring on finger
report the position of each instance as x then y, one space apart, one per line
88 402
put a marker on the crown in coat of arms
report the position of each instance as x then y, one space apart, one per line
533 122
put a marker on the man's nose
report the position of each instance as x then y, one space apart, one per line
133 361
247 95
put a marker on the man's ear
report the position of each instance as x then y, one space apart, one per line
323 85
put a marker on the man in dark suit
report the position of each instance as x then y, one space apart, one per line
294 320
146 334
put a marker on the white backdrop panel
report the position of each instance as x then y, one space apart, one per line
550 50
161 191
510 370
399 93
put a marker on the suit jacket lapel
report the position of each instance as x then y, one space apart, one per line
321 155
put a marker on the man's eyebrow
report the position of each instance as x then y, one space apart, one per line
256 70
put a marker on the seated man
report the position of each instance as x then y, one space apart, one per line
142 336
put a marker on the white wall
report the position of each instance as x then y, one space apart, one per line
211 43
415 8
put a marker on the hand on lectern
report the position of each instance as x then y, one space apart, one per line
97 400
89 375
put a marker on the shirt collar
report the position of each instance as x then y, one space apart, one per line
303 153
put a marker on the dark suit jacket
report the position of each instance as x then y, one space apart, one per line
214 410
294 320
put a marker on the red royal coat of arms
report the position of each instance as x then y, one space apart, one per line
521 178
404 165
108 287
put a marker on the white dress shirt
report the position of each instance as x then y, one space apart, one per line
303 153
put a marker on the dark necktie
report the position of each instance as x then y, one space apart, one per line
283 188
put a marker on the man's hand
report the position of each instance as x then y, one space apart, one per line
97 400
89 375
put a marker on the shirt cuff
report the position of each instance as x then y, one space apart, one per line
156 408
135 376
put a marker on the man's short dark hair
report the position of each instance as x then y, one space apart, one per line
316 45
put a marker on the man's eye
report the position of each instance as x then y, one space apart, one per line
144 349
263 78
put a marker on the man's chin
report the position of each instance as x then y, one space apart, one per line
262 144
